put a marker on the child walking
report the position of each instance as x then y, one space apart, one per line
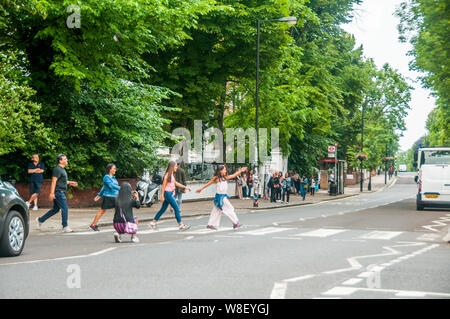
167 197
221 202
126 200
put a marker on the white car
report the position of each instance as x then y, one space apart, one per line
433 178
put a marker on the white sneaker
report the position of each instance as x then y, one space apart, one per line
38 223
67 229
35 208
184 227
135 239
117 237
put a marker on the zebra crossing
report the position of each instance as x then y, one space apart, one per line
333 233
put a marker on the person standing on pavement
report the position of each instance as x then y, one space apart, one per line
313 185
58 191
109 192
36 171
250 179
167 192
221 203
180 176
123 204
304 186
287 187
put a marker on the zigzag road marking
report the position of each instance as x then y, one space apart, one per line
280 287
438 223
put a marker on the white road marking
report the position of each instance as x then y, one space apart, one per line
340 291
346 291
352 281
264 231
278 290
322 232
438 223
62 258
381 235
159 230
207 231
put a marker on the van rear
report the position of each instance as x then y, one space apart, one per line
434 186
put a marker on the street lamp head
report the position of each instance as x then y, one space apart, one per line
290 20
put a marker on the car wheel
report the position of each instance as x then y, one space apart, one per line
13 239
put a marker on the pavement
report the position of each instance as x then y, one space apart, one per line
81 218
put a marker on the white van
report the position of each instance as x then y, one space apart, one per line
433 178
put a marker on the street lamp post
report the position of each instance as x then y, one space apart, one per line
362 143
290 20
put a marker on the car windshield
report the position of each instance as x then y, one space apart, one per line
435 157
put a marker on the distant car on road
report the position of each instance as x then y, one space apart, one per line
402 168
433 179
14 221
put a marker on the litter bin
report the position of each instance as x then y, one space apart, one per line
333 189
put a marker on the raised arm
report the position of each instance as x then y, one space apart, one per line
239 171
207 184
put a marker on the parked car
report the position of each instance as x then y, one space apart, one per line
14 221
433 179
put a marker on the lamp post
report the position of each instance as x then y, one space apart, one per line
362 143
290 20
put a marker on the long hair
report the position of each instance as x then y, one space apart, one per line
125 198
217 172
169 170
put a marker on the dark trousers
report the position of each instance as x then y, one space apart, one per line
273 192
59 203
286 193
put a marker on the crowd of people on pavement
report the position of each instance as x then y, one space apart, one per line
123 198
279 187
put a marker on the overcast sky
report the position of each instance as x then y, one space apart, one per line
375 27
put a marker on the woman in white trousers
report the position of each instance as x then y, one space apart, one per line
221 203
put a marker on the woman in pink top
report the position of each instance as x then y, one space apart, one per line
167 190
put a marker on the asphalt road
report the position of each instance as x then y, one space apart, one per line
369 246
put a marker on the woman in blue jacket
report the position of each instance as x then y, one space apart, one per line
109 192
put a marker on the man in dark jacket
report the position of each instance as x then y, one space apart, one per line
180 177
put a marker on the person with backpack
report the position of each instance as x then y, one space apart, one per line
167 192
124 222
109 192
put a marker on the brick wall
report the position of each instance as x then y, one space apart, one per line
76 198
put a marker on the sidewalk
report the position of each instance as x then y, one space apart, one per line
81 218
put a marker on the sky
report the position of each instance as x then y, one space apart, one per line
375 27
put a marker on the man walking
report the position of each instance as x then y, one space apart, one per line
58 194
36 171
180 177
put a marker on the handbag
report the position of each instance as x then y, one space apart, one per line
130 228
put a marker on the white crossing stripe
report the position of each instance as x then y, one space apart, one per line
264 231
322 232
207 231
159 230
381 234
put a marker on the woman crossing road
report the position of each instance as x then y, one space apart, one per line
109 193
124 221
167 197
221 202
